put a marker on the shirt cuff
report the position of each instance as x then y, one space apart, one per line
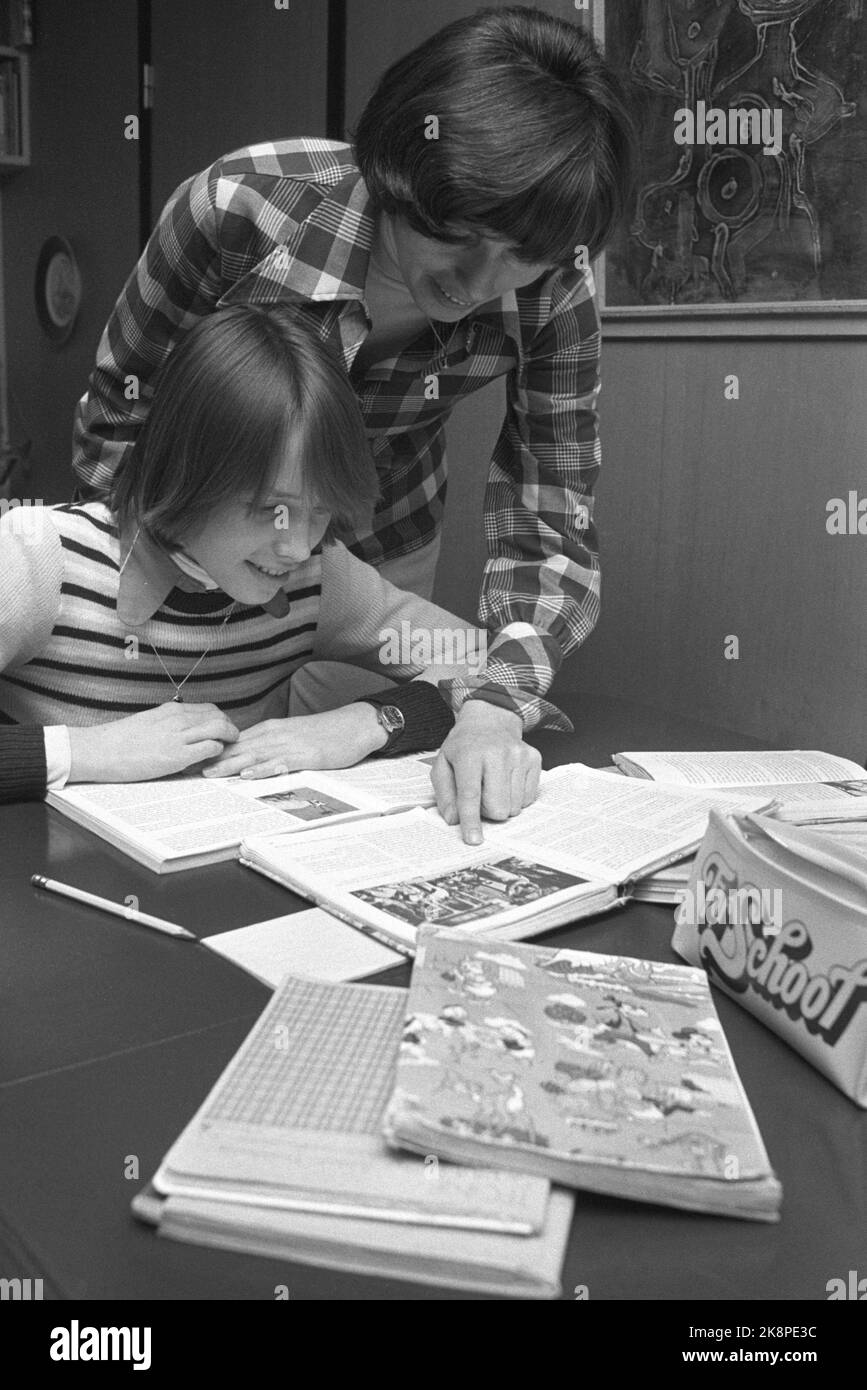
58 756
521 664
532 710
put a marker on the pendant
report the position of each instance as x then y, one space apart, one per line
177 699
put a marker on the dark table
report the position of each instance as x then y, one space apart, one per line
111 1035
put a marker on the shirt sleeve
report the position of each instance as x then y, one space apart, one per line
540 590
58 757
22 763
367 621
176 282
31 562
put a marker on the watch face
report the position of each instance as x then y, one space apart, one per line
391 718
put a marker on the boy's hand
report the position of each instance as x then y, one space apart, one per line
337 738
484 768
151 744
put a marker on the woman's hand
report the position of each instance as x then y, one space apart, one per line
151 744
484 768
337 738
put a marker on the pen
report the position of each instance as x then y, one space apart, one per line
119 909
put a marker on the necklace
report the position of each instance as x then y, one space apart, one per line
177 698
443 346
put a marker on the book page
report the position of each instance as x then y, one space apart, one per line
303 943
189 815
740 769
416 869
391 782
820 801
613 827
296 1118
852 834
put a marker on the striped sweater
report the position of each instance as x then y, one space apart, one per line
67 658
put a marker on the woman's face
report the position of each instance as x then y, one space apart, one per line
252 553
448 280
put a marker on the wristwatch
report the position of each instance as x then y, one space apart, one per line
392 721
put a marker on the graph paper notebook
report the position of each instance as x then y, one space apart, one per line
293 1126
600 1072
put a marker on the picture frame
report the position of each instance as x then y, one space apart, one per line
57 289
750 217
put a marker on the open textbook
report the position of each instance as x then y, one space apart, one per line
808 786
186 821
574 852
286 1157
601 1072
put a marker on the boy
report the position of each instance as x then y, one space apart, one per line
446 249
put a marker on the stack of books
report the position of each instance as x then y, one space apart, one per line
436 1135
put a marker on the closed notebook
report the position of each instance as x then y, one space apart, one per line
295 1122
285 1157
599 1072
478 1261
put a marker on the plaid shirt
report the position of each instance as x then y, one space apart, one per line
293 221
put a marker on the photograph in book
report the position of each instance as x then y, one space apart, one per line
601 1071
306 803
464 895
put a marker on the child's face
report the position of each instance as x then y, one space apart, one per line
448 280
251 554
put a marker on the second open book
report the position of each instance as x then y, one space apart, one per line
188 821
807 786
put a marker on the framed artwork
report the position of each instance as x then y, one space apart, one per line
751 200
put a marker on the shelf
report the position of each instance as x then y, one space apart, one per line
14 109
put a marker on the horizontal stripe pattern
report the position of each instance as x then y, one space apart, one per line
94 667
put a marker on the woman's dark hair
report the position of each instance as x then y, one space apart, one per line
224 402
535 143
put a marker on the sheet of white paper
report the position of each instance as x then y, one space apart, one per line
739 769
311 943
